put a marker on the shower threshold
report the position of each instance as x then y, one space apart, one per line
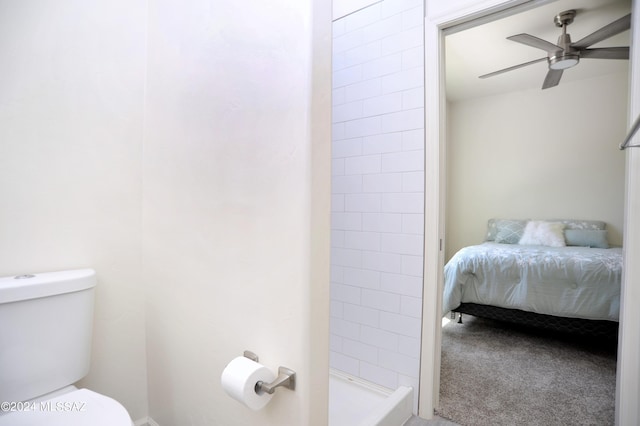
356 402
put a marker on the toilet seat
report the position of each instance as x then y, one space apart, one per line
81 407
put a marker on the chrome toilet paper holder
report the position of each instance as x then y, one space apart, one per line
286 378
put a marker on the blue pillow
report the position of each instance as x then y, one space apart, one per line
586 238
506 231
510 231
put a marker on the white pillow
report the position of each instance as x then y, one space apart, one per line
541 233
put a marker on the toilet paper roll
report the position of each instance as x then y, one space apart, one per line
239 380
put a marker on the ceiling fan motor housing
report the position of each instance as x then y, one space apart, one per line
566 58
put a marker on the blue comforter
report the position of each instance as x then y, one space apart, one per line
576 282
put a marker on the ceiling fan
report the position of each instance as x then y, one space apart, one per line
566 54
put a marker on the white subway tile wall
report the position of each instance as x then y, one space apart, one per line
378 193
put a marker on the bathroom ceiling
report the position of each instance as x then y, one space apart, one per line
484 49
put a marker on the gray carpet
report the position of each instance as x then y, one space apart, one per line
494 374
437 421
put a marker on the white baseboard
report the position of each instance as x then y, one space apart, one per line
146 421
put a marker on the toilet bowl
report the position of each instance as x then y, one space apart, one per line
80 407
46 323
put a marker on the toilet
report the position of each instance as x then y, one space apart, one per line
46 325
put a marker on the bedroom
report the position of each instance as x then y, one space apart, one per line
518 152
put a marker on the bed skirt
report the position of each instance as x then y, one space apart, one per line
584 327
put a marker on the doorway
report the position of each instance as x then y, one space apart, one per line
435 193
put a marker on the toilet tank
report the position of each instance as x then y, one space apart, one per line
46 324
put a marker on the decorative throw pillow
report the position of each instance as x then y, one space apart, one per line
508 228
586 238
510 231
541 233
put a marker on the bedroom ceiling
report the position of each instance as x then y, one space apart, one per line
484 49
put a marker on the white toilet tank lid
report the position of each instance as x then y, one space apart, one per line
78 408
32 286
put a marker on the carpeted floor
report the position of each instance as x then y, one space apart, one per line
494 373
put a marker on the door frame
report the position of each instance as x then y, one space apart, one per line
435 24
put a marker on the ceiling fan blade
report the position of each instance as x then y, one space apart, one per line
606 53
552 79
536 42
491 74
616 27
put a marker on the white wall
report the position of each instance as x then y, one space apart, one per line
71 104
377 193
230 231
537 154
236 205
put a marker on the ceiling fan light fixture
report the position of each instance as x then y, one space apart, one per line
562 62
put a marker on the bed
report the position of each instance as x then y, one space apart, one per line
552 274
